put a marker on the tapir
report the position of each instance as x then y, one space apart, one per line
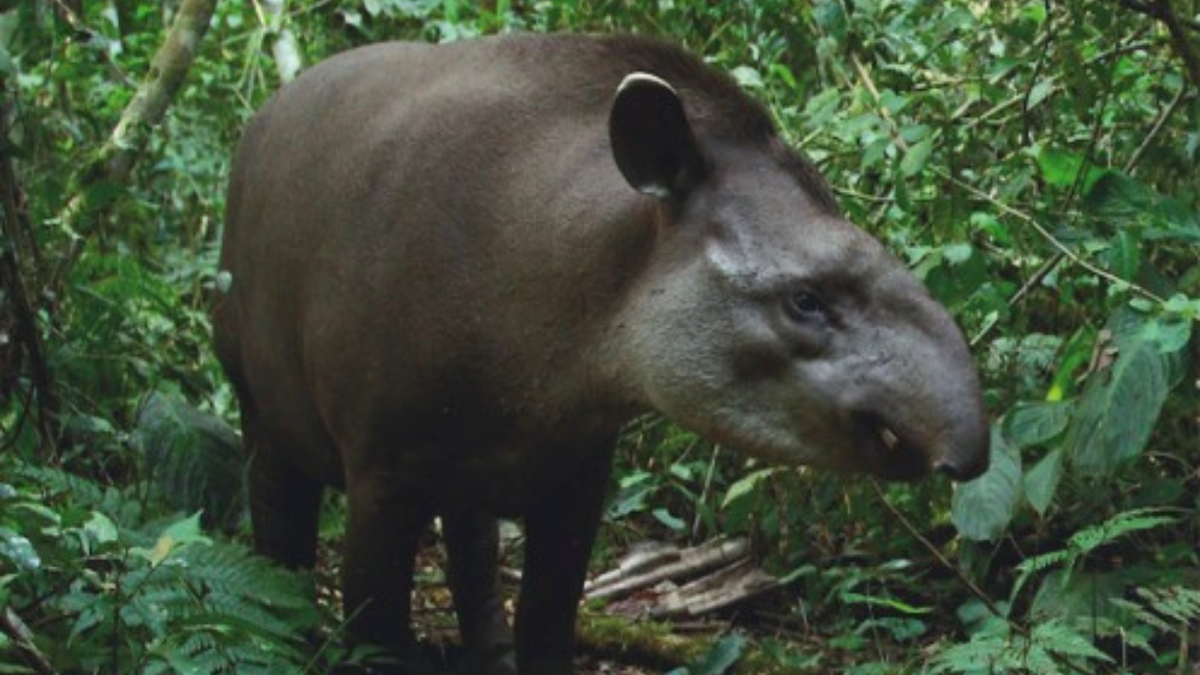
452 273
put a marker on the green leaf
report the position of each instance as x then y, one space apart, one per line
665 517
916 157
18 550
1121 401
1061 168
746 485
100 528
1119 199
1040 92
891 603
177 535
1030 424
1058 637
722 656
1124 256
748 77
1042 481
982 508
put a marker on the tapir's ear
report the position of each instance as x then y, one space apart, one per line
652 142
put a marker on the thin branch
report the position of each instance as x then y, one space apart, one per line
1180 39
1054 241
1051 33
1159 125
1026 287
942 560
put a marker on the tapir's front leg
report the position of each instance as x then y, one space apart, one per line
559 532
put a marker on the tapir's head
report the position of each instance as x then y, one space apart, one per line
769 323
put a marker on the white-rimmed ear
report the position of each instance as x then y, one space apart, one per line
652 142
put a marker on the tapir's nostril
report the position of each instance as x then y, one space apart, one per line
962 471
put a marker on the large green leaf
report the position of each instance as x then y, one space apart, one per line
1121 401
1042 481
1061 168
1029 424
982 509
1125 202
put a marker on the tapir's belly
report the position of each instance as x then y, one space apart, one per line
452 461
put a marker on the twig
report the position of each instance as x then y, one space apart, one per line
16 630
1097 125
1017 297
862 196
971 585
1151 11
1054 241
1159 125
1051 33
942 560
883 111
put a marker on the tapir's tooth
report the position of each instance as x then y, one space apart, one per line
889 438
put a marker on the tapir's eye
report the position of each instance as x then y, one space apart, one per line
805 306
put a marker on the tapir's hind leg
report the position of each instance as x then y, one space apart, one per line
284 502
473 546
382 533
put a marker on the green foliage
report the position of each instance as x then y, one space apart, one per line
131 594
1053 648
195 460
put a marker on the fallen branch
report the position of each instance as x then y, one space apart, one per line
640 558
691 562
737 583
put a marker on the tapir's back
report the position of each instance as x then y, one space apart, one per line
405 211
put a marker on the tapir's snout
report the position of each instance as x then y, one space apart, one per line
919 407
898 447
967 458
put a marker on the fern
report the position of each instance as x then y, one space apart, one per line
1053 648
224 610
1087 540
155 598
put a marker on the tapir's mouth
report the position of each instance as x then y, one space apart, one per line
886 452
